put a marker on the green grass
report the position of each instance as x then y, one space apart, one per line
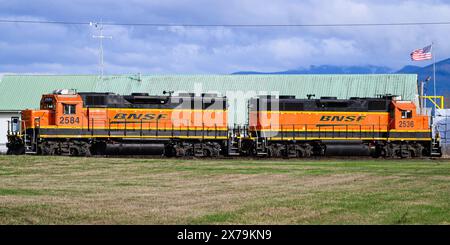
68 190
20 192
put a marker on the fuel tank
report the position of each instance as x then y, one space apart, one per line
347 148
134 149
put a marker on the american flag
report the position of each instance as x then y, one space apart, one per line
422 54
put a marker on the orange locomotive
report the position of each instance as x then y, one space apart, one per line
103 123
70 123
382 126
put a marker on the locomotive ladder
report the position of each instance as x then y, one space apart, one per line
260 145
31 142
436 150
234 141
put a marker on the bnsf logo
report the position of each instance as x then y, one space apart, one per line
135 116
342 118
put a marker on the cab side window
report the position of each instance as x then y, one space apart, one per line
406 114
69 109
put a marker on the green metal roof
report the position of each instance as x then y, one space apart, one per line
18 92
24 91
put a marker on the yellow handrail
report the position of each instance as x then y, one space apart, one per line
433 100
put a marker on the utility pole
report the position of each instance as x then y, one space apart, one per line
99 27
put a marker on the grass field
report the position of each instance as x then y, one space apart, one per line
67 190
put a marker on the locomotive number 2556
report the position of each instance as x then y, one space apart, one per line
69 120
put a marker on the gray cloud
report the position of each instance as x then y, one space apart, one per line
71 49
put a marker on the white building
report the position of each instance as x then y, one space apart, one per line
5 116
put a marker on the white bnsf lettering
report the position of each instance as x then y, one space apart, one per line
332 118
139 116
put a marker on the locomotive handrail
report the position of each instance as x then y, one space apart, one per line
306 131
322 130
293 131
125 128
281 131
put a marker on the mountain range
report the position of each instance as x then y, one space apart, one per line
442 73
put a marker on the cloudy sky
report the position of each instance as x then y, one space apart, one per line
70 49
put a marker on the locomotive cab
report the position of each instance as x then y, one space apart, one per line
61 108
68 108
404 116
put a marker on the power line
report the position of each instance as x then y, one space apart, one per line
225 25
43 22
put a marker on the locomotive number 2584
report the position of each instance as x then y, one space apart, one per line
69 120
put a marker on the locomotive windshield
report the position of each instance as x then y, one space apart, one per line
47 103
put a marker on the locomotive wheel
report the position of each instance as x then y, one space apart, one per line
74 151
44 150
180 151
301 153
275 150
308 150
270 152
53 152
206 152
401 151
188 152
386 151
405 153
49 148
417 150
85 150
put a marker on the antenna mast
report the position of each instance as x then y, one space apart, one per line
99 27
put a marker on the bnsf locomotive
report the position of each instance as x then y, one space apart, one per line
381 127
83 124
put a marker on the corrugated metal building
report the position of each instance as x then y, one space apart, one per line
24 91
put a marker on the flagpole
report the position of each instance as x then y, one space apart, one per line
434 69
